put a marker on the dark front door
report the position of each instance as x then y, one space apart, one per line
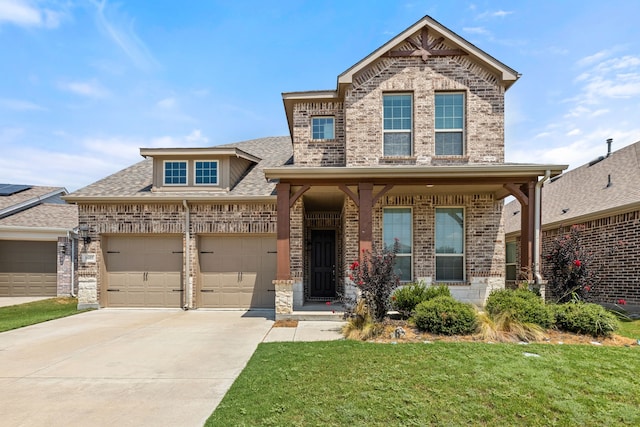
323 263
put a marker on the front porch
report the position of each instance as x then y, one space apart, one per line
327 222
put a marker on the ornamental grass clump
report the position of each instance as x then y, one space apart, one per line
444 315
505 327
376 280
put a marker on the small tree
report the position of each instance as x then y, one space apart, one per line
375 278
569 269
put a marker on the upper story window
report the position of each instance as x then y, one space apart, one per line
206 172
322 128
397 124
449 121
397 225
175 173
450 244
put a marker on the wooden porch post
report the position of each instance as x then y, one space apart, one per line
365 220
284 217
527 230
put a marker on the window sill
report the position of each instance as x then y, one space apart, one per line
397 160
320 141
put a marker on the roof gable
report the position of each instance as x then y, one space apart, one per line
439 35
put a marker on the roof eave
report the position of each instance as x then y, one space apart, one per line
166 199
213 151
467 171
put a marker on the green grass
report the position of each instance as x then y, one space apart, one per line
17 316
365 384
630 329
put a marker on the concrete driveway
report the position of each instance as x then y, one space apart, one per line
125 367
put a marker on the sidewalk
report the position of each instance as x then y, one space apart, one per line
307 330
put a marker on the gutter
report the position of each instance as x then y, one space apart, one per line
537 227
72 238
187 256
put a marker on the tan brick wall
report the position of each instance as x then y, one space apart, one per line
308 152
484 232
615 244
484 109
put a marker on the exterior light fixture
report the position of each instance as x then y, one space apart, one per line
83 232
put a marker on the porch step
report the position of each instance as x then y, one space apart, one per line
316 311
313 315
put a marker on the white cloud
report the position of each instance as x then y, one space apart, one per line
598 56
166 103
25 14
120 29
574 132
90 88
494 14
19 105
476 30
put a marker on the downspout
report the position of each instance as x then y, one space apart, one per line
71 238
537 226
187 257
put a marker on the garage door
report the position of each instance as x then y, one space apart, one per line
143 271
237 272
28 269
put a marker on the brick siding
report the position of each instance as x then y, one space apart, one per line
615 244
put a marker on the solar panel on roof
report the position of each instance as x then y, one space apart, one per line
11 189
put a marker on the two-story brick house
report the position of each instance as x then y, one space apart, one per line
410 145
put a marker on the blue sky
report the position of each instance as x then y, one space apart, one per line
84 84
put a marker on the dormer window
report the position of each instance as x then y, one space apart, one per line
322 128
175 173
206 172
449 124
397 124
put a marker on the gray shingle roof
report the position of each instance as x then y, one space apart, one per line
135 181
33 193
583 192
46 215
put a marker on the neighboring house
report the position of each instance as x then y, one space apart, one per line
36 241
603 198
410 145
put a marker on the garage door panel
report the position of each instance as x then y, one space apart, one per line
28 268
236 272
144 271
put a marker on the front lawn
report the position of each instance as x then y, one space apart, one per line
17 316
630 329
357 383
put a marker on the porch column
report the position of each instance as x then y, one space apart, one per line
527 230
284 216
365 220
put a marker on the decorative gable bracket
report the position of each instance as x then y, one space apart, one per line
426 49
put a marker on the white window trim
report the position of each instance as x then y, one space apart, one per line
164 173
195 168
464 243
411 132
323 117
412 243
464 123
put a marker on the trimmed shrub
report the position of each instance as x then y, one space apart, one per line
523 305
405 299
444 315
585 318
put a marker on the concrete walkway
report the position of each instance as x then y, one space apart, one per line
7 301
132 367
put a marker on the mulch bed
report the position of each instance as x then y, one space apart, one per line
412 334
